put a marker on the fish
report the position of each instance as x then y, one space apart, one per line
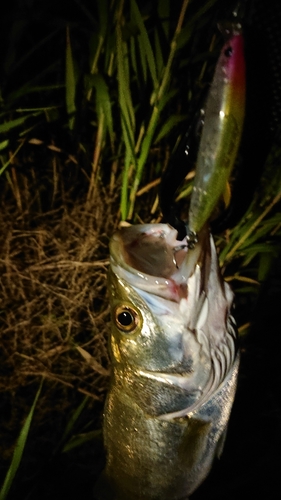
223 125
174 364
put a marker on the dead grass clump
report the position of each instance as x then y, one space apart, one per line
54 308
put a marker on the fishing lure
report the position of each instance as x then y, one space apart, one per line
224 116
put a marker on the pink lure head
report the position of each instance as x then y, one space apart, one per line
232 60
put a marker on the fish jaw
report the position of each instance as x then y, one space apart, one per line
224 117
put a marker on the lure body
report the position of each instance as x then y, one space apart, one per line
174 364
224 116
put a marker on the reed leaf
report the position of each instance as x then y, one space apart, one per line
70 83
11 158
98 38
146 51
186 32
265 263
242 233
103 11
4 144
19 449
80 439
103 103
129 160
155 113
16 122
164 8
169 125
70 426
264 230
159 58
28 55
125 98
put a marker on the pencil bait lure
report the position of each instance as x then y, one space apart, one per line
223 123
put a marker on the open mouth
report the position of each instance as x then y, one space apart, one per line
152 249
151 258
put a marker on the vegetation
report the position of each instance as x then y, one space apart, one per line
93 99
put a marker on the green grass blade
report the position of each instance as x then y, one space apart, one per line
169 125
153 122
32 85
200 14
103 102
70 83
4 144
164 15
146 144
16 122
143 64
9 161
71 425
234 246
125 98
265 228
158 54
133 56
80 439
22 62
125 180
103 9
144 43
20 445
265 264
98 38
127 112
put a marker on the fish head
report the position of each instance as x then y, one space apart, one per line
148 286
160 307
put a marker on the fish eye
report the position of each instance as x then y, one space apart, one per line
126 318
228 51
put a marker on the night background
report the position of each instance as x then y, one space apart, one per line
94 95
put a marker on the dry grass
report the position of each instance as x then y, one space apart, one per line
54 310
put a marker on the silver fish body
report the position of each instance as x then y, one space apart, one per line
174 364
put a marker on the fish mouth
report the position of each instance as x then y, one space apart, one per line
150 257
153 250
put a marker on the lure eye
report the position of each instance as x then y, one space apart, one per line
228 52
126 319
